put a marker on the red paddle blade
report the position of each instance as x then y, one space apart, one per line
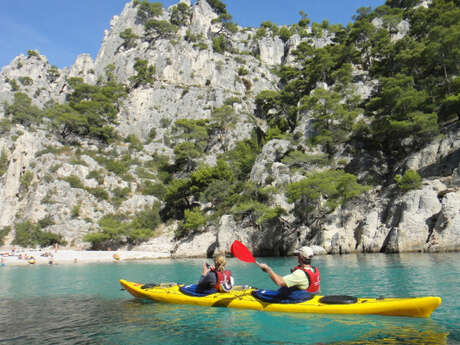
240 252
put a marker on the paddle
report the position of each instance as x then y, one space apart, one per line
242 253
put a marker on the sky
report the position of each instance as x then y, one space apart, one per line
63 29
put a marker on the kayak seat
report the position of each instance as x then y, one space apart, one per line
281 296
190 290
338 299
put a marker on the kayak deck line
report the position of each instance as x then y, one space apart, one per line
243 299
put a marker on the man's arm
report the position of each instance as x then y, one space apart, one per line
277 279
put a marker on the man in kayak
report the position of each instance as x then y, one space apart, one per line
215 277
302 277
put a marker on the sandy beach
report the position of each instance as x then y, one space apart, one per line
23 257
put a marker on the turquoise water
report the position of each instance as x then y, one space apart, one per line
83 304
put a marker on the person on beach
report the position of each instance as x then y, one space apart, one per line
302 277
216 277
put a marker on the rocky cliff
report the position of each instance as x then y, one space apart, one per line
191 80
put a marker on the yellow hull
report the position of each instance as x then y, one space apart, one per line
242 299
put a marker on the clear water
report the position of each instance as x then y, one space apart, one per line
83 304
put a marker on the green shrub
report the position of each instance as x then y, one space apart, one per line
3 162
409 181
200 46
190 37
25 180
219 44
47 239
119 167
165 122
129 38
323 191
32 53
135 143
14 85
22 111
91 110
122 193
194 219
76 211
159 29
156 189
55 168
30 235
180 14
148 10
143 173
5 126
232 100
48 198
116 230
46 221
78 161
285 34
99 193
242 71
74 181
145 73
54 150
3 233
119 195
26 81
218 6
301 159
53 74
97 175
149 218
97 239
152 133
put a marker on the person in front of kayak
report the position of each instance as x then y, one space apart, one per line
216 277
303 277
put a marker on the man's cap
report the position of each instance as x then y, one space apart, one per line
305 251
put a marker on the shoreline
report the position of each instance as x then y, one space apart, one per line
9 257
22 257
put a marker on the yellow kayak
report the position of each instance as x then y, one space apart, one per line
242 298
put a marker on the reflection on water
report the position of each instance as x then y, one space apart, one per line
84 305
84 320
399 337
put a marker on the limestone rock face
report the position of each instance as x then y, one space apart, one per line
271 50
69 186
13 187
271 153
446 232
34 76
409 218
197 245
84 67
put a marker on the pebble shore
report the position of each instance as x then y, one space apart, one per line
23 257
